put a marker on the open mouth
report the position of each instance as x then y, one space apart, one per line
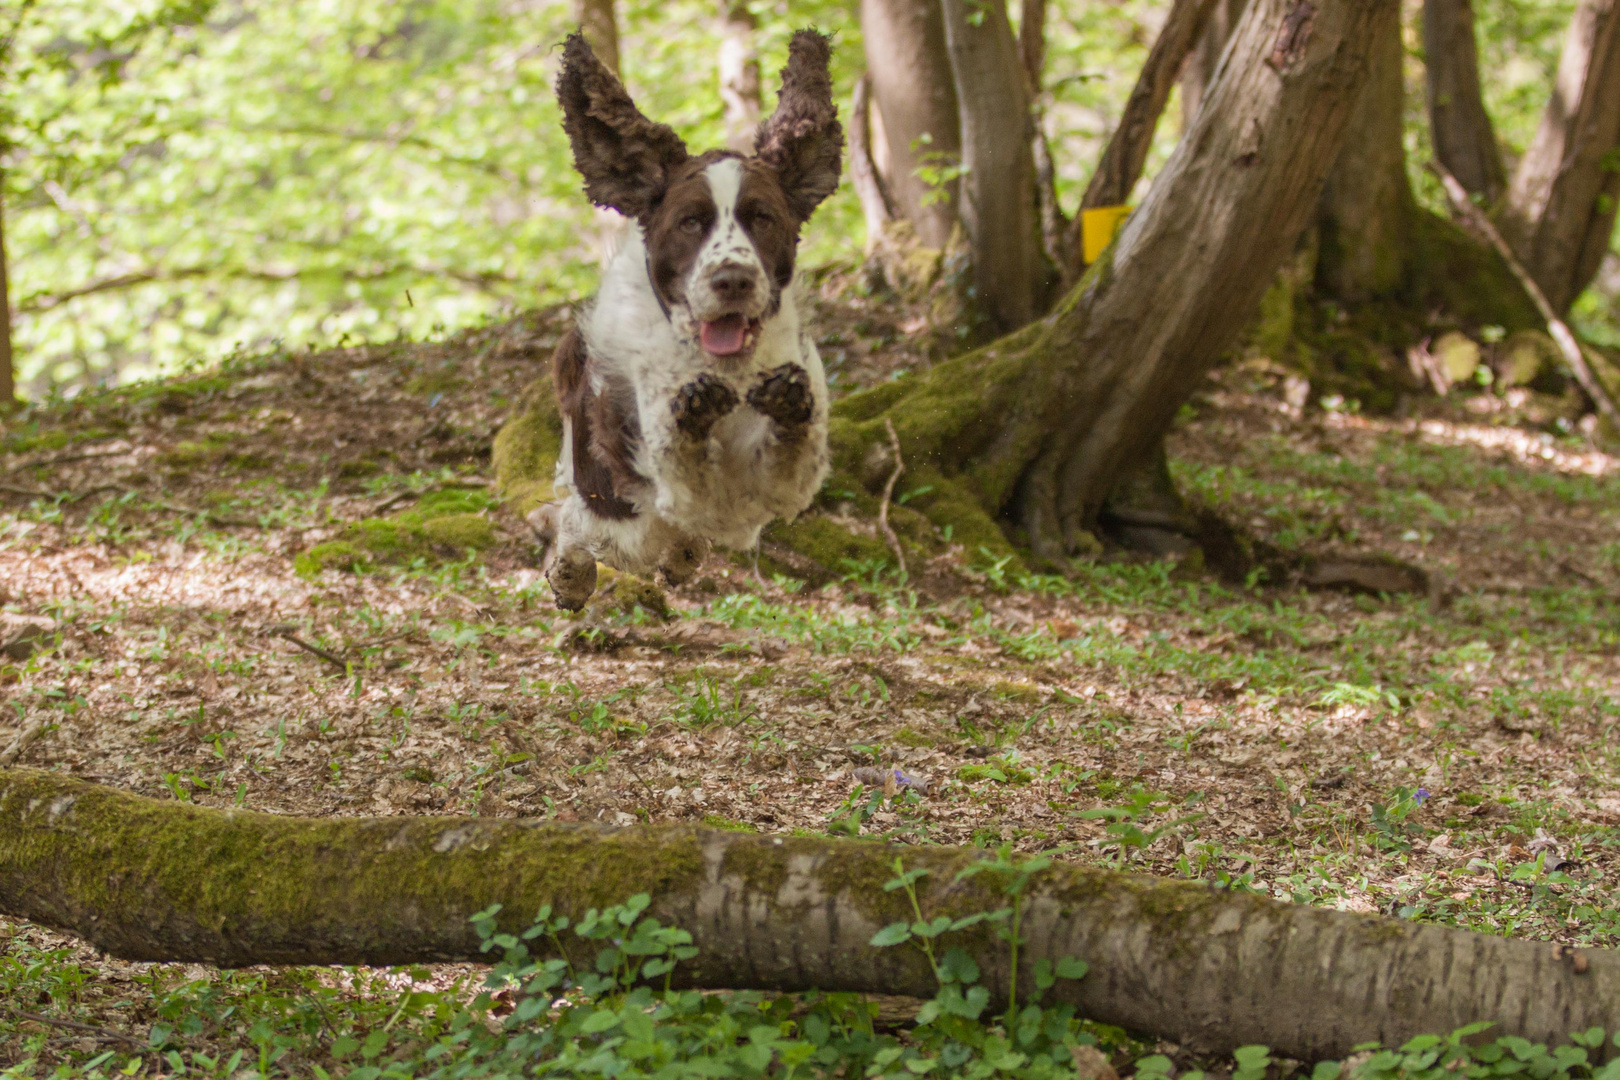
729 335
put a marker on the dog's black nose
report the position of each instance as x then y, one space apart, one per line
732 283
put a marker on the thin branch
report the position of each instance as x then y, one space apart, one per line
1561 333
28 736
888 493
876 203
42 302
417 142
104 1034
63 459
315 650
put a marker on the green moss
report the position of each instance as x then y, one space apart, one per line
715 821
337 555
826 543
461 531
442 524
527 447
428 383
907 737
623 593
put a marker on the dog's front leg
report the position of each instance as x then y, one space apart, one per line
785 395
701 404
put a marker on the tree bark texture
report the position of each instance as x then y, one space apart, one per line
1464 140
876 205
1367 206
8 367
998 202
916 102
1035 428
739 74
1032 42
600 26
1127 150
151 880
1198 71
1561 205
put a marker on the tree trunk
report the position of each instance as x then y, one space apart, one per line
1127 150
916 102
8 369
1035 428
1367 206
1199 69
1032 42
1213 970
600 26
876 205
739 74
1561 206
998 202
1464 140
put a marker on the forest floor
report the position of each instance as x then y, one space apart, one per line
1446 757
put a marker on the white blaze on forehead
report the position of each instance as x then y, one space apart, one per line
727 242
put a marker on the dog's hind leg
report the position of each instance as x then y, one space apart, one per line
682 560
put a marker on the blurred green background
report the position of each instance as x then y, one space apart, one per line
186 178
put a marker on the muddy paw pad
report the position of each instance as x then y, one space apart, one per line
682 561
573 579
784 395
700 403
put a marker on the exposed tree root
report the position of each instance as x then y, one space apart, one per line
1213 970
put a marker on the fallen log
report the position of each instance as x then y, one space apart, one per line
157 880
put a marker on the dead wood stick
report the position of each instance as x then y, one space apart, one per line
888 493
104 1034
1208 968
1560 331
28 736
315 650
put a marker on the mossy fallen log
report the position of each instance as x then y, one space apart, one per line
158 880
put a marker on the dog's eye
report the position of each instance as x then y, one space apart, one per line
691 225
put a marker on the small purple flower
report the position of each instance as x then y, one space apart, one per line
1419 795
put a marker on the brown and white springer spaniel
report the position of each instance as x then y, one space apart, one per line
694 403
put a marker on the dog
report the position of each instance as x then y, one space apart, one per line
693 400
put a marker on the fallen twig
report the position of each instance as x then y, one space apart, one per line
1560 331
888 493
105 1034
45 463
315 650
30 735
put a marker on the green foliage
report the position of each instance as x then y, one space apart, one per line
187 175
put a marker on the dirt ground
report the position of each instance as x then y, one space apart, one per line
1447 755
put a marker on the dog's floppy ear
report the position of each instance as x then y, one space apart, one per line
624 157
802 140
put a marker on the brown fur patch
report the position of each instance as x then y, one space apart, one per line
802 140
624 157
600 432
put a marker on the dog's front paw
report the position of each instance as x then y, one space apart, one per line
700 404
784 396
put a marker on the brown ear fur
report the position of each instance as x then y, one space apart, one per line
802 140
624 157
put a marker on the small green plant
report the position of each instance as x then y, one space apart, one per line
1391 827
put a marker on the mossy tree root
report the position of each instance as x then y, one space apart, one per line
158 880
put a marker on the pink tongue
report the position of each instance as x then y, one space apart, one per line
724 336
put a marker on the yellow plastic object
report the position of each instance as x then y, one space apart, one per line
1097 229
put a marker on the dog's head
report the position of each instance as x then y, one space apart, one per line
721 229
